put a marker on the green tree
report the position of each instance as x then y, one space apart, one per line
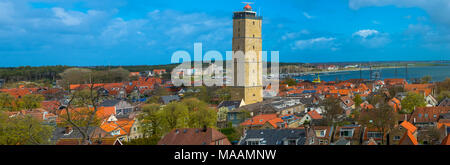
223 94
411 101
291 82
31 101
358 100
233 134
75 76
150 120
23 130
7 102
426 79
175 115
200 114
442 95
152 140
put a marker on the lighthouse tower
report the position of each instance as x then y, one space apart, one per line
247 39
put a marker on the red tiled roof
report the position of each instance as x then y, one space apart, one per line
124 125
193 136
259 120
19 92
428 114
314 115
410 137
276 121
446 140
104 141
410 127
347 101
395 81
419 88
50 105
366 106
102 112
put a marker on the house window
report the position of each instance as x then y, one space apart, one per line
396 137
292 142
115 132
426 115
420 115
374 135
321 133
323 141
253 142
347 132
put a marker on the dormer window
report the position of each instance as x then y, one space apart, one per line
320 133
115 132
347 132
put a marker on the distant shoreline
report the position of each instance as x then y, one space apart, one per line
356 70
282 63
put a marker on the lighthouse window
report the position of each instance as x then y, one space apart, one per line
253 22
253 46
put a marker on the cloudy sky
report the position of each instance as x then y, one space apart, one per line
137 32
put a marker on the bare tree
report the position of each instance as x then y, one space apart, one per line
383 118
88 98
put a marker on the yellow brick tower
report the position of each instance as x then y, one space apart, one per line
247 38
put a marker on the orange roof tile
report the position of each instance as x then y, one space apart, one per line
446 140
410 127
259 120
314 115
408 136
124 125
367 106
274 122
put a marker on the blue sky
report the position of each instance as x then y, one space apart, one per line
142 32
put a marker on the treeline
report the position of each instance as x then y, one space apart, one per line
28 73
52 73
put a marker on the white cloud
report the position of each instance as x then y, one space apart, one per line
439 10
66 18
371 38
6 11
292 35
313 43
307 15
366 33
